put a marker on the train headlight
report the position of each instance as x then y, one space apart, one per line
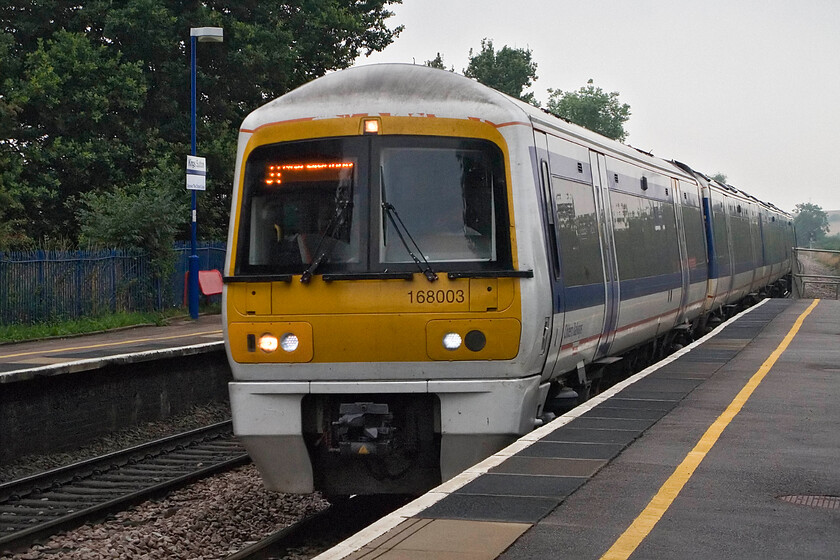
268 343
289 342
452 341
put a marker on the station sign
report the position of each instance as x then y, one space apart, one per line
196 173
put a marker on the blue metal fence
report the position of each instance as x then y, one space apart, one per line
41 286
210 255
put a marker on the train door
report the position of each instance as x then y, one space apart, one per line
554 325
611 281
679 202
578 209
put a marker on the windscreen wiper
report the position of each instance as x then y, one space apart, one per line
391 212
327 240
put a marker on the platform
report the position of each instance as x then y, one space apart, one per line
729 449
19 361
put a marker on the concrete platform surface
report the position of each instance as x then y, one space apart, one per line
729 449
21 361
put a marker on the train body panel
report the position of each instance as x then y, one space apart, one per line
417 263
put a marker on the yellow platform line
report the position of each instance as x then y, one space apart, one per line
109 344
656 508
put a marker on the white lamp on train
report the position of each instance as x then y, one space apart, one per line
196 169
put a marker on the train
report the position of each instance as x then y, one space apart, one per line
420 268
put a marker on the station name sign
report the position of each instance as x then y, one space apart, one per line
196 173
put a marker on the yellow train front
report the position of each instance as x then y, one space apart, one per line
374 289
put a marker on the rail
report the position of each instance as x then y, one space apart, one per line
816 273
323 530
42 505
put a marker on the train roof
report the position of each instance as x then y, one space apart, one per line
394 89
418 90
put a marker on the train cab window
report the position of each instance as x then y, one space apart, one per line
301 199
352 205
448 196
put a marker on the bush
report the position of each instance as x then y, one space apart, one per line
144 216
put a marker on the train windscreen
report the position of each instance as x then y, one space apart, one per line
300 201
373 204
445 199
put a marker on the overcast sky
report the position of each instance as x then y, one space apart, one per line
748 88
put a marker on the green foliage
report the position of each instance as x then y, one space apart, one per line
811 224
12 217
17 333
592 108
145 215
831 242
437 62
95 93
508 70
77 101
720 177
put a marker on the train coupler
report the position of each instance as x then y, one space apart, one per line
364 429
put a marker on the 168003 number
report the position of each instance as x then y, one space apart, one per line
436 296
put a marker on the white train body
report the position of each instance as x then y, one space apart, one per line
556 251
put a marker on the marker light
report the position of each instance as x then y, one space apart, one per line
268 343
371 126
452 341
289 342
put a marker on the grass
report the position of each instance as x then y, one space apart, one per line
19 333
830 260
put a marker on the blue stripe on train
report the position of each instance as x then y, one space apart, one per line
590 295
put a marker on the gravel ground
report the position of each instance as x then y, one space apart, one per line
208 520
811 263
197 417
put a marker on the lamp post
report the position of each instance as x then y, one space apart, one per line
195 166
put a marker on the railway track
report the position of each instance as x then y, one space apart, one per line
38 506
323 530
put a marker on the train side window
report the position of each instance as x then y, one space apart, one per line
577 232
550 216
695 240
721 235
645 236
695 233
741 238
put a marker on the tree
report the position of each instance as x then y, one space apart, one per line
144 216
811 224
592 108
94 92
437 62
720 177
77 103
509 70
12 216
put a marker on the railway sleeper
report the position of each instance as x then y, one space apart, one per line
95 484
30 503
83 493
